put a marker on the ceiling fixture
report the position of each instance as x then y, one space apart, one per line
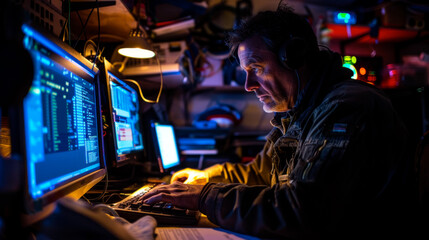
137 46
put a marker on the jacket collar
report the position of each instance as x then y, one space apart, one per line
328 73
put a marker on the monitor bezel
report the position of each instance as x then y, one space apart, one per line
76 186
114 160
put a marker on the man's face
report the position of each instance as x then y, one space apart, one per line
273 84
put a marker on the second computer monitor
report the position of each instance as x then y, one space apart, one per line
122 130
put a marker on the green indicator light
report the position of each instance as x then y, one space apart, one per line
351 67
347 59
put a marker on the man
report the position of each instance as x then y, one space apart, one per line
335 163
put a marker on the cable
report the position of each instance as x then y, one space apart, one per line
68 23
106 184
106 209
99 30
124 179
83 26
160 87
64 31
324 46
119 195
123 63
138 8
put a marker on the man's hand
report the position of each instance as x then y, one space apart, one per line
179 194
190 176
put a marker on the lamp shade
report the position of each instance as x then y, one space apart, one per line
136 46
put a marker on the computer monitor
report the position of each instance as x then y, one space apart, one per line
165 146
60 123
122 122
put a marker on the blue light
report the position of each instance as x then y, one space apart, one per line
49 61
344 18
40 38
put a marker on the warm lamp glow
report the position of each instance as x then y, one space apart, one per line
136 46
136 53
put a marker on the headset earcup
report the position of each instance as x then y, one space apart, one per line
292 53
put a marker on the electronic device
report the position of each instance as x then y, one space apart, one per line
59 123
342 17
167 154
167 62
122 122
367 69
165 146
293 52
132 208
46 14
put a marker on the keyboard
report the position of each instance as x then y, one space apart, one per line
132 208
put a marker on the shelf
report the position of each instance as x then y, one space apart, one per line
360 33
222 88
116 21
77 5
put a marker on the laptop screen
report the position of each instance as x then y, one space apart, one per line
166 148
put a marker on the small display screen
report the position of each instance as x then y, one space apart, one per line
167 145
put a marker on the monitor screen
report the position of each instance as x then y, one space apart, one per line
166 149
61 116
121 113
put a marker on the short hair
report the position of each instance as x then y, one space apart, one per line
274 28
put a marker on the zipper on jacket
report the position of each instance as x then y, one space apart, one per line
311 160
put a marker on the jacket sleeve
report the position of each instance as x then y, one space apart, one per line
354 183
257 172
257 210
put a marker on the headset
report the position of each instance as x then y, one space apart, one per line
293 53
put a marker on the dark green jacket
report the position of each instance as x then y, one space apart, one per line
335 165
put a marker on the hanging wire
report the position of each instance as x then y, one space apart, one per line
160 87
98 41
64 31
123 63
121 68
68 23
101 196
138 14
82 31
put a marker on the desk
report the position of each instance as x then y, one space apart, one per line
205 230
185 233
73 219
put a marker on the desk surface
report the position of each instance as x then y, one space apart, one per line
184 233
204 230
74 219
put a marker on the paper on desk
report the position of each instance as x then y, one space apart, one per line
143 228
170 233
